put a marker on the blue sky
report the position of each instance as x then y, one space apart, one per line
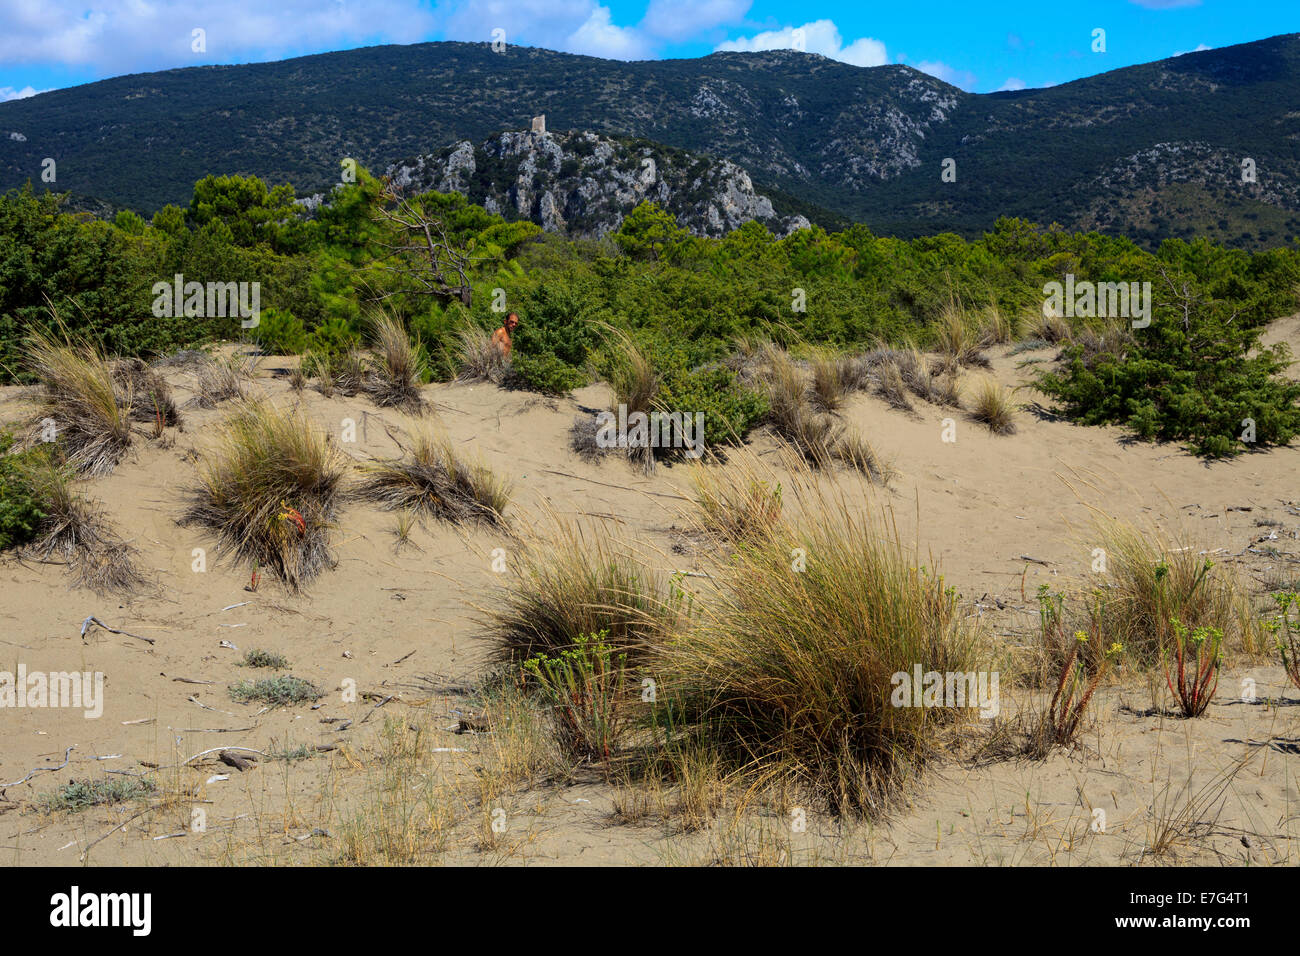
979 45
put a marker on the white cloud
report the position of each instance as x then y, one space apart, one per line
142 35
600 37
1199 48
819 36
686 19
960 78
9 93
1012 83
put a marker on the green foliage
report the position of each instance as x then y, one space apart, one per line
1203 380
730 410
586 687
21 507
647 231
280 332
685 299
545 373
1286 633
253 213
332 337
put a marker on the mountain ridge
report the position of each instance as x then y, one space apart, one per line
865 143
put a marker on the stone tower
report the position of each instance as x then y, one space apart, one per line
539 124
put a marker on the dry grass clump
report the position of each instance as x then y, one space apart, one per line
430 478
571 584
995 328
635 383
991 406
791 410
480 360
791 669
898 374
890 385
1111 338
583 438
74 530
222 378
88 406
828 381
396 369
1148 584
946 390
269 490
956 340
734 506
1047 325
151 396
748 358
795 415
855 451
342 372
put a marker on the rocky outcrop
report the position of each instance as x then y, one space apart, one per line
582 184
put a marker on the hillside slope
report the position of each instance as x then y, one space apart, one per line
1154 149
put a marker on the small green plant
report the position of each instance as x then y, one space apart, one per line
1193 672
77 795
260 658
1074 691
276 691
1287 633
586 687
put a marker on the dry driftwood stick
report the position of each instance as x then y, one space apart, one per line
66 757
217 749
120 826
85 625
234 760
657 494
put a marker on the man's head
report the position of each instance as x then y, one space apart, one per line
512 320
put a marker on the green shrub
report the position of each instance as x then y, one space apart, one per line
1207 382
280 332
20 502
730 409
545 373
332 337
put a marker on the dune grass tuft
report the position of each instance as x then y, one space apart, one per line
573 583
734 507
480 360
991 406
790 669
269 490
75 531
89 408
222 378
397 367
430 478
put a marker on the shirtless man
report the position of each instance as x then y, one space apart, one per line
501 337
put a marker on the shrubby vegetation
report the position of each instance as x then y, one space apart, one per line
1195 375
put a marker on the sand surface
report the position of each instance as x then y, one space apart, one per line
400 622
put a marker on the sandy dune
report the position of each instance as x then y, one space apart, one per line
401 622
